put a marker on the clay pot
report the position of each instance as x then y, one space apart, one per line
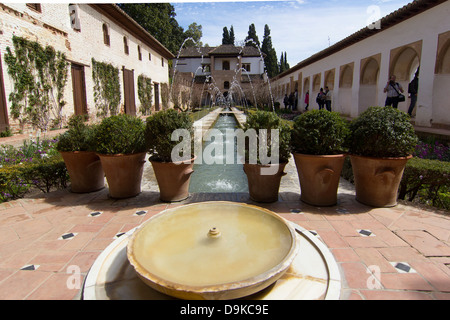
85 171
319 178
377 179
123 173
173 179
264 187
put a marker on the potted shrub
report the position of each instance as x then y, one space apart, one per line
173 177
120 144
381 142
318 145
264 179
82 163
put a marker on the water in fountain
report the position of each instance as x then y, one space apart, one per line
220 178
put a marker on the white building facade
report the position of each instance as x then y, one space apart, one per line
84 32
357 68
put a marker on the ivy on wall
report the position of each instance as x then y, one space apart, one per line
106 88
145 94
39 75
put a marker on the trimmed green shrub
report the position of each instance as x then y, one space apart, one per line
382 132
426 181
158 133
79 136
268 120
120 134
319 132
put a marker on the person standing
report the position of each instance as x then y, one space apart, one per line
296 99
328 95
393 90
307 100
286 101
413 89
321 99
291 101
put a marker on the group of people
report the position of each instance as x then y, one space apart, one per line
291 101
393 89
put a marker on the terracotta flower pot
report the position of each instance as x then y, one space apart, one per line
319 178
377 179
123 173
173 179
264 187
85 171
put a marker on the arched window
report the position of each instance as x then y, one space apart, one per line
125 45
226 85
105 34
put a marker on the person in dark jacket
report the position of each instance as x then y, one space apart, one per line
413 89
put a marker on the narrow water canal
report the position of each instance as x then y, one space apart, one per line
220 178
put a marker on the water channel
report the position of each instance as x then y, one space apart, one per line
220 178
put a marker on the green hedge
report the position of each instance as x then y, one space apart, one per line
44 174
424 181
427 181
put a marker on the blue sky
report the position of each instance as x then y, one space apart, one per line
301 28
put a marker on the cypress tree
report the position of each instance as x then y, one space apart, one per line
270 59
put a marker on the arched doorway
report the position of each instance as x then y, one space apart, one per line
368 90
441 81
404 64
345 88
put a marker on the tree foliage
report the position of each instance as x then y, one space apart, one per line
270 60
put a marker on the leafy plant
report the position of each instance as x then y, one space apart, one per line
268 120
145 94
158 133
39 75
319 132
106 88
120 134
426 180
382 132
79 136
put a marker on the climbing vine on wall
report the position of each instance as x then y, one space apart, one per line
145 94
106 88
39 75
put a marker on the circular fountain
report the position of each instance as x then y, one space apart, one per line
215 250
210 251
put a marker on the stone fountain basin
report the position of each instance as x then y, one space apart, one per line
212 250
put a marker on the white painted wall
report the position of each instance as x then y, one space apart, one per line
432 106
81 47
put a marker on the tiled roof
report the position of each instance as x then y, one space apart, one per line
408 11
227 49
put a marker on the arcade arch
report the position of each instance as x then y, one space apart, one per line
368 91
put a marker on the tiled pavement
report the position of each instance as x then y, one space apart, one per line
49 242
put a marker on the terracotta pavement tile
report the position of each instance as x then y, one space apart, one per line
86 228
395 295
21 284
316 225
78 242
332 239
433 274
441 295
405 281
9 218
372 257
390 238
401 254
5 273
365 242
345 228
345 255
58 287
425 243
109 231
84 260
7 234
356 275
18 260
386 216
34 226
98 244
53 260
